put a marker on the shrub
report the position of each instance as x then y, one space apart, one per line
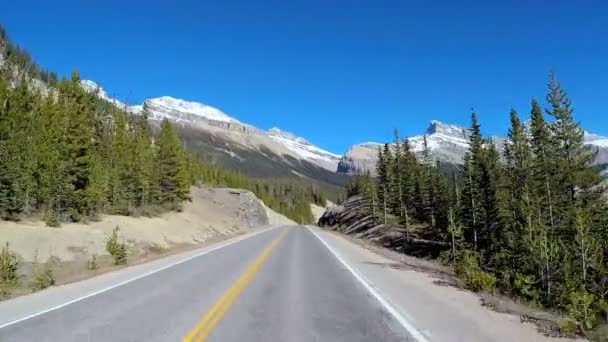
568 328
9 267
582 308
117 249
471 276
43 276
52 219
525 287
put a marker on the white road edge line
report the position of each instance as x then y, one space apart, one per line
218 246
417 335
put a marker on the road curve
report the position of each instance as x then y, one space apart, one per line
280 285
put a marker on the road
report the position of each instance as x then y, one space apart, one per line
283 284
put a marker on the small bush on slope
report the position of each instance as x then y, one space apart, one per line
117 249
9 266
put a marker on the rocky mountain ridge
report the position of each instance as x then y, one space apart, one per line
210 119
448 144
224 140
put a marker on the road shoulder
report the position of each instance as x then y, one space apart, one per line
439 312
24 307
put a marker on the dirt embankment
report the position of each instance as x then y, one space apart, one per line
212 215
318 211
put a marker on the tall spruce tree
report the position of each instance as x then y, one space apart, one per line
78 147
471 193
490 219
580 207
397 180
543 186
408 184
172 170
519 239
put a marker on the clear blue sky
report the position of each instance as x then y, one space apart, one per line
334 72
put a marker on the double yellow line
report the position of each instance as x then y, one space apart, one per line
204 327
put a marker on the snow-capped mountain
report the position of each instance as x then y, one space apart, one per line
94 88
181 110
229 130
305 149
447 144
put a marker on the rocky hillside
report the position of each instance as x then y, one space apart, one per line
447 144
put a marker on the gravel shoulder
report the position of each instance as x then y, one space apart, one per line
426 294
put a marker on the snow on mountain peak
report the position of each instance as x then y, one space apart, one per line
204 116
166 105
438 127
305 150
594 139
94 88
287 135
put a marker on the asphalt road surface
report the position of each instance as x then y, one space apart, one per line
284 284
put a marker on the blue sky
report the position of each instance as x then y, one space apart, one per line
334 72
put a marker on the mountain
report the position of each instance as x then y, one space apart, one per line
232 143
447 144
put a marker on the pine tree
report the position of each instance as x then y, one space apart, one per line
543 171
383 170
7 190
440 203
519 238
408 183
120 181
580 206
145 178
490 220
471 193
23 114
424 188
173 177
79 149
397 186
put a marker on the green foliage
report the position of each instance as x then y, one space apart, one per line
174 180
568 328
116 248
583 308
471 275
52 219
42 275
9 268
525 286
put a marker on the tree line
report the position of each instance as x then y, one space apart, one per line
533 218
70 155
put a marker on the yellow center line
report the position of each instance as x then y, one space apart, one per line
204 327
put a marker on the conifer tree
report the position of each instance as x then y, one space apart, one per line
471 192
78 148
490 220
173 177
145 178
519 237
580 206
543 170
408 184
397 186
